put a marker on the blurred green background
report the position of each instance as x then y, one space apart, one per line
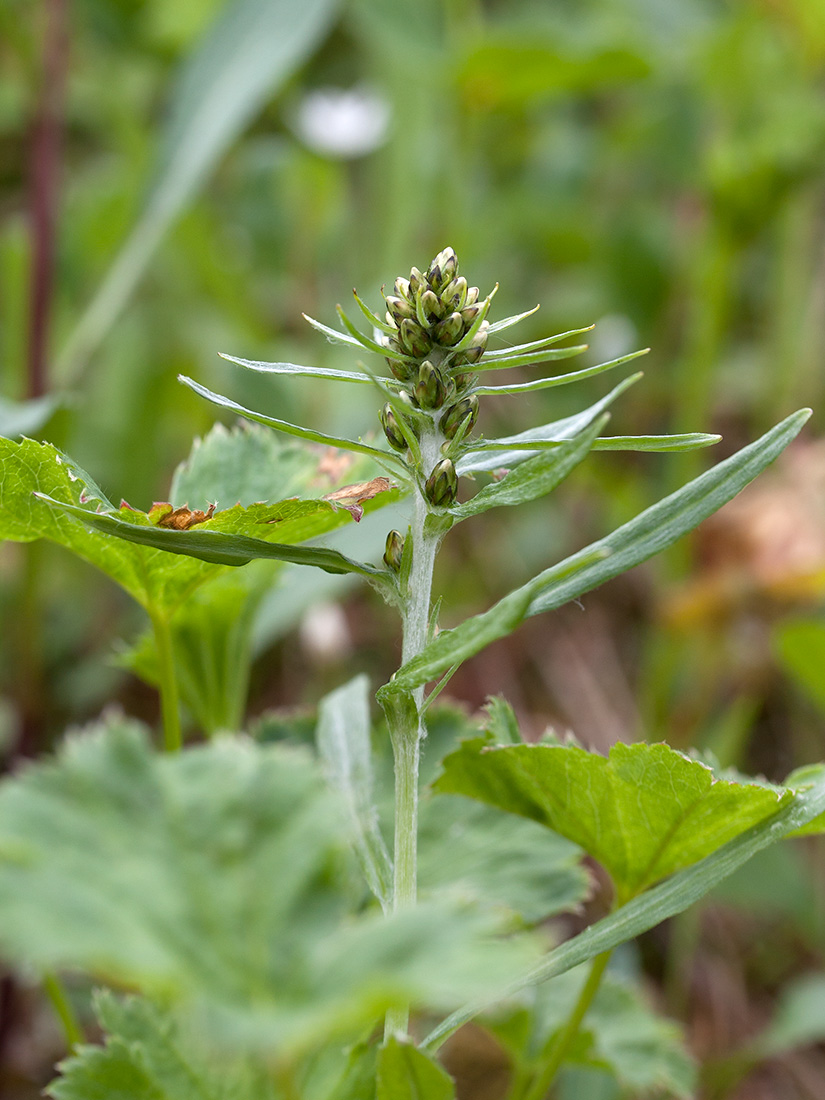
179 179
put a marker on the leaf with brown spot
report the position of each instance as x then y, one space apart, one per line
179 519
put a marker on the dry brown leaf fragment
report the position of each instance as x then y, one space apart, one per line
352 497
179 519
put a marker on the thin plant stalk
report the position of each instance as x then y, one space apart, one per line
168 683
64 1010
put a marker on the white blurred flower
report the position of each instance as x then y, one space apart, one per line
341 122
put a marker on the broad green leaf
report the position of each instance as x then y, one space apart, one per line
143 1059
385 457
301 372
343 738
251 50
650 908
688 441
25 417
215 878
620 1033
502 861
404 1073
475 460
224 540
651 531
534 478
800 645
560 379
643 812
799 1019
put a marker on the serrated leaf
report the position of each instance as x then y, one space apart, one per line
655 905
648 533
643 812
25 417
385 457
534 478
343 737
250 50
405 1073
554 433
214 877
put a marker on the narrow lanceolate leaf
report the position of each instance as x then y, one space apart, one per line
509 450
653 530
298 371
250 50
373 318
498 361
355 341
644 812
559 379
404 1073
292 429
365 341
343 737
689 441
215 878
534 478
507 322
670 897
220 547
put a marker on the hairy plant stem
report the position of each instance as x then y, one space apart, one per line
168 683
406 722
561 1042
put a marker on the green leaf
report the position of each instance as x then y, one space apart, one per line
560 379
800 645
25 417
404 1073
643 812
534 478
670 897
301 372
223 541
251 50
620 1033
688 441
385 457
475 461
799 1019
501 361
216 879
651 531
343 737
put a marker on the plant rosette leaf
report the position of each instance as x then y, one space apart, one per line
109 859
620 1034
643 812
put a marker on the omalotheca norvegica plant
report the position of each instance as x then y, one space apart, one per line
277 964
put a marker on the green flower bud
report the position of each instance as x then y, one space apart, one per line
455 416
479 345
430 390
417 282
399 309
394 550
443 269
469 314
416 342
454 294
404 372
389 423
442 485
431 306
472 296
402 288
450 330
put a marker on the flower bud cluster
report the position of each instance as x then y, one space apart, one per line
437 331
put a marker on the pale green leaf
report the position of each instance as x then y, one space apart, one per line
405 1073
502 361
552 434
385 457
559 379
643 812
507 322
650 908
215 877
688 441
645 535
251 49
534 478
300 372
343 737
25 417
